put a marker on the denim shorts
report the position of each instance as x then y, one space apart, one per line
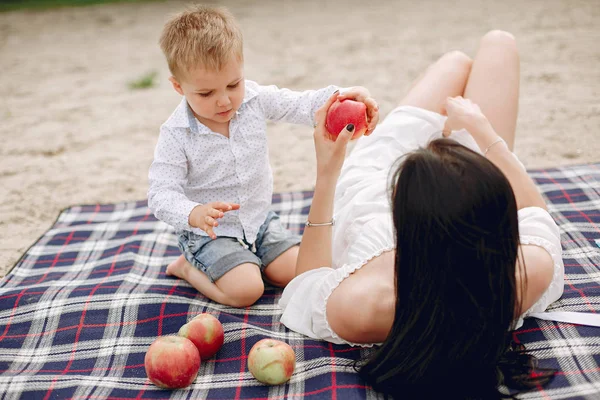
217 257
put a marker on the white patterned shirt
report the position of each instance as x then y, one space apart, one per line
194 165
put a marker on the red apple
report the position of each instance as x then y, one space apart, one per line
342 113
172 362
206 332
271 361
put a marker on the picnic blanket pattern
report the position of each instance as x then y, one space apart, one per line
81 307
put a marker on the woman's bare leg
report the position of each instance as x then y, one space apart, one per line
494 82
447 77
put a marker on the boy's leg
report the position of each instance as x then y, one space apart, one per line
494 82
283 268
447 77
277 249
182 269
221 269
240 287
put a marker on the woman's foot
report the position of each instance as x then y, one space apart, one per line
178 267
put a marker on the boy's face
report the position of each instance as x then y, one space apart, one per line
213 96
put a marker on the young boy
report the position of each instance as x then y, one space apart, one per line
210 178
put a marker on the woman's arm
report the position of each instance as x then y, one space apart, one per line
315 248
535 261
539 268
464 114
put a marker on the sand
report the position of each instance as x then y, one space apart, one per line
73 132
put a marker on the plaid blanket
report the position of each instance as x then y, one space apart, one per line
81 307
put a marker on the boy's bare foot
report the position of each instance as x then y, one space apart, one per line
177 267
182 269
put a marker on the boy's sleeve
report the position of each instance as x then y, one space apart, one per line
167 177
291 106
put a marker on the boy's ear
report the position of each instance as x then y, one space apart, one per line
176 85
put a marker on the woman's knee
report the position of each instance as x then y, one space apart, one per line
457 59
498 37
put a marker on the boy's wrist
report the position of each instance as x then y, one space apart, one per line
193 217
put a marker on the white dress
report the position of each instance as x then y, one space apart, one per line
364 226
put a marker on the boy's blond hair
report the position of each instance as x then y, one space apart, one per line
202 36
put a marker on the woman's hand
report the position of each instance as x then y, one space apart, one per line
330 151
361 94
463 114
315 248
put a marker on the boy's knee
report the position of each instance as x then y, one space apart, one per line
246 295
282 276
283 269
497 36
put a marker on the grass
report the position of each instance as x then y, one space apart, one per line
144 82
11 5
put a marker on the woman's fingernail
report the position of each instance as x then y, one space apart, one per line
337 91
350 127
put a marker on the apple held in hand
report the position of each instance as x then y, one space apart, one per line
342 113
271 361
206 332
172 362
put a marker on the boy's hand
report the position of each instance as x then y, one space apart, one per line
205 216
359 93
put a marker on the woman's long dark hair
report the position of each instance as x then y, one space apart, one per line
457 240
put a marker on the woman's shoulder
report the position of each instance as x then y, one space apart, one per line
361 308
350 296
539 269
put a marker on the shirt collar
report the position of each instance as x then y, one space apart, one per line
183 117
